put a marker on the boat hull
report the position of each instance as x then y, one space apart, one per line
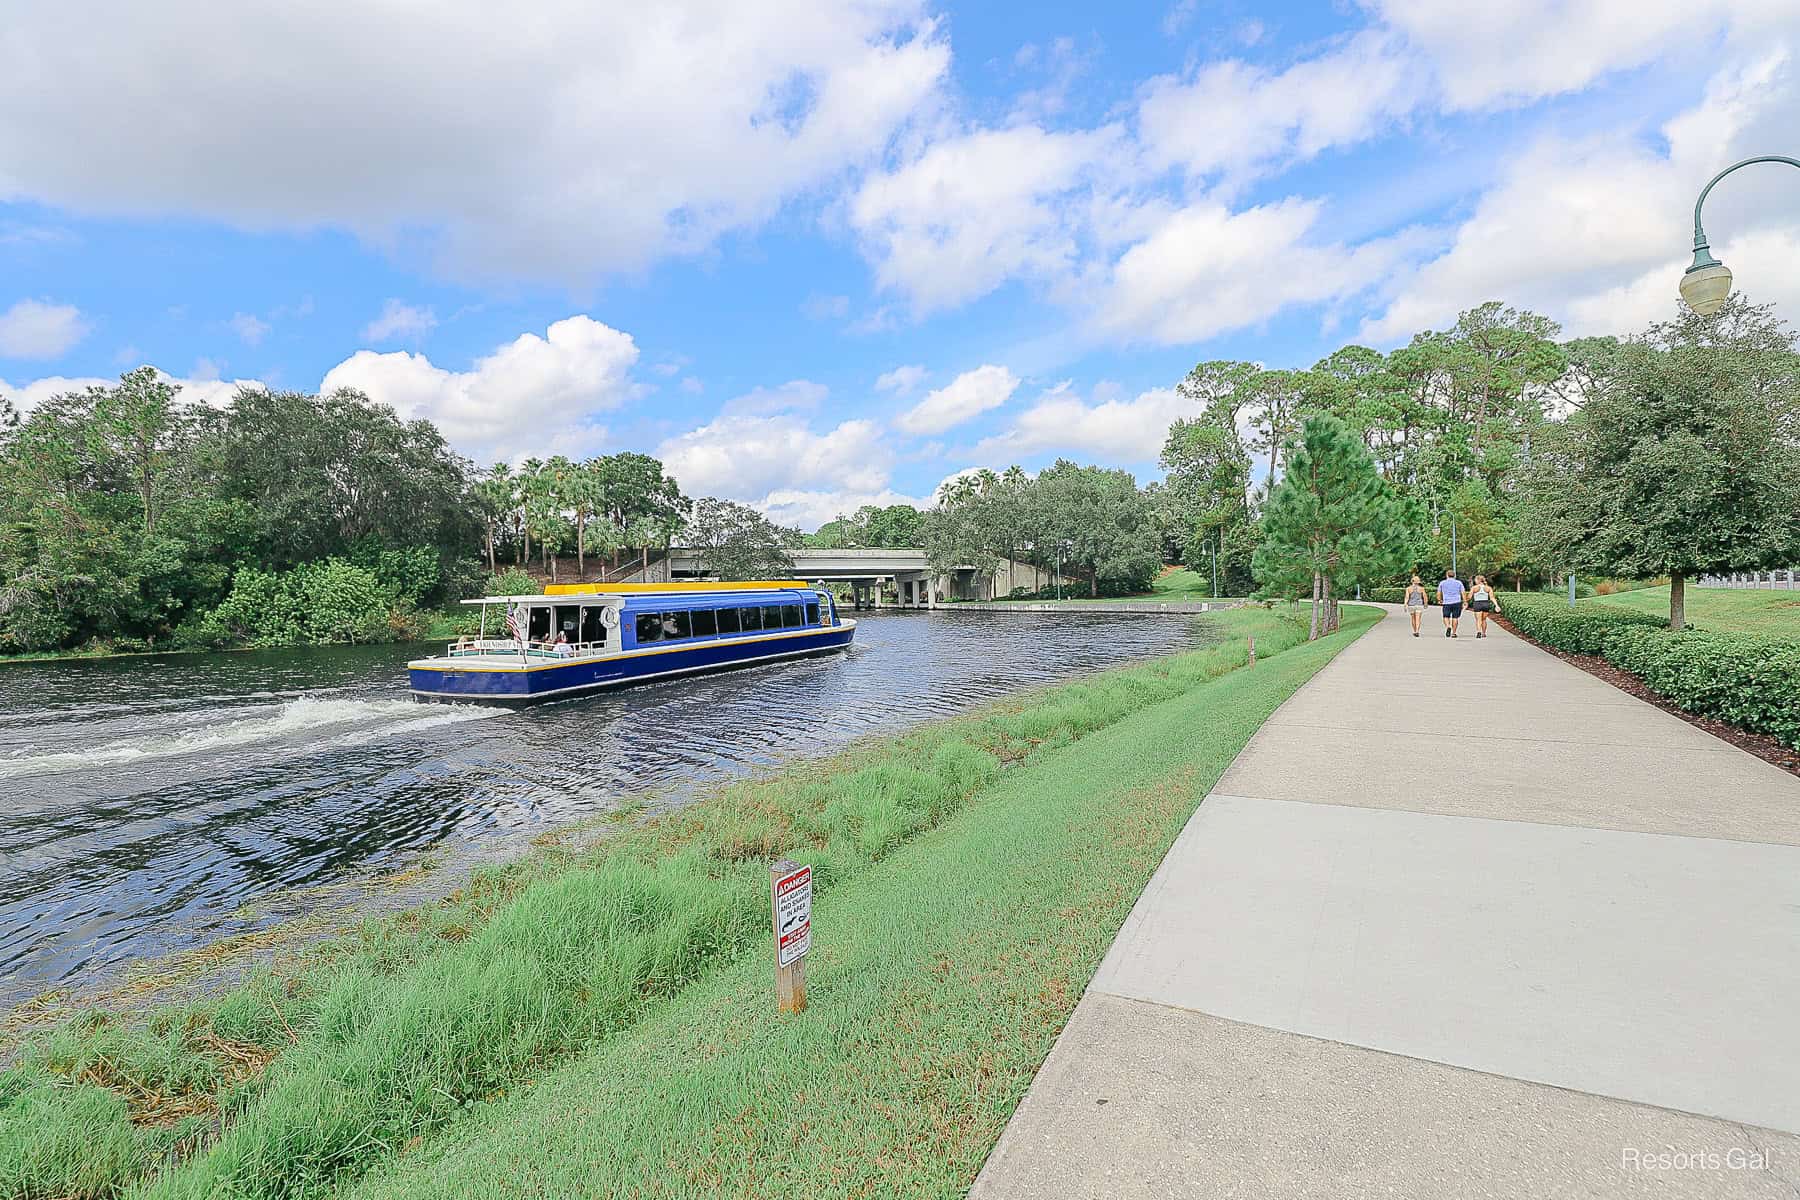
526 684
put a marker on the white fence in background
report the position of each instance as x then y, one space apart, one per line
1754 579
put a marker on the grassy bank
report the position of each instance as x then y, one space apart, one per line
1180 585
333 1060
939 981
1719 610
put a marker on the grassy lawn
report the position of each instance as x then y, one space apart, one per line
410 1029
1723 610
937 984
1181 584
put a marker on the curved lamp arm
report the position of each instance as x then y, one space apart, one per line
1703 252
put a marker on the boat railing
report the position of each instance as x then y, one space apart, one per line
467 647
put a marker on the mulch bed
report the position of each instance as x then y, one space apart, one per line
1759 744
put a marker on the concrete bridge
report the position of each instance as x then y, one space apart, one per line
869 571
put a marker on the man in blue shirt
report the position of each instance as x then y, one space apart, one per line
1450 595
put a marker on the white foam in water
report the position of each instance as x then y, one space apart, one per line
354 722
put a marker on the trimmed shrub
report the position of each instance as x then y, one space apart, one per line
1745 679
1581 629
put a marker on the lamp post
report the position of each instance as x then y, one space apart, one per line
1706 284
1434 533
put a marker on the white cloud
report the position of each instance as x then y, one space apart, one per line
252 330
1234 116
796 395
764 452
1496 54
576 139
809 510
962 399
534 395
1206 270
400 321
1596 231
214 392
40 329
901 380
1106 429
977 209
744 457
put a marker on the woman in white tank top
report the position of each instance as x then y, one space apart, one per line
1482 601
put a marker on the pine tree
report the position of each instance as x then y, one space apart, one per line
1331 521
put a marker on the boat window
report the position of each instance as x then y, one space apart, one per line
728 620
752 619
537 623
706 622
568 621
812 614
790 616
675 625
593 627
649 627
771 616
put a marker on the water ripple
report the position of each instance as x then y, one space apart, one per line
144 800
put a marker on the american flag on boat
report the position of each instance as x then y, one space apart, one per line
515 622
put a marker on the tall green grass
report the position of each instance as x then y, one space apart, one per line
298 1079
937 982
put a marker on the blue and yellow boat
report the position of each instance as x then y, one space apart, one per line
577 638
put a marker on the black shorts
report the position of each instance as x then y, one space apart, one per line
1481 606
1453 611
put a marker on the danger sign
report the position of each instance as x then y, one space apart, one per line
793 915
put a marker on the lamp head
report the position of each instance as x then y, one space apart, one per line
1706 284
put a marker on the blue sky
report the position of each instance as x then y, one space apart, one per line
817 255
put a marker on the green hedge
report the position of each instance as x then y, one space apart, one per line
1581 629
1746 679
1750 680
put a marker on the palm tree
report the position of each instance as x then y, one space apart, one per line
495 496
529 479
583 492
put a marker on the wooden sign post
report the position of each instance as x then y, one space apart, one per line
790 904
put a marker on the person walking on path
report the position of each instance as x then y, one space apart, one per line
1482 601
1415 602
1450 595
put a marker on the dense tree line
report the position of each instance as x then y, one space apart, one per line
1503 452
127 516
1090 522
872 527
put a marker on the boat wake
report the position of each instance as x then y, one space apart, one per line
309 722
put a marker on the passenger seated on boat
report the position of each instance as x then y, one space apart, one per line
561 644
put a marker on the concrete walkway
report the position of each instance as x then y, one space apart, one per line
1461 920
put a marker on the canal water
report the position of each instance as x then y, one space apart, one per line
151 804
